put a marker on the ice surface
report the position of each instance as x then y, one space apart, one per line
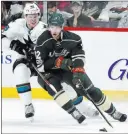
50 118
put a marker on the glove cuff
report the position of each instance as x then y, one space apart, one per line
78 70
59 61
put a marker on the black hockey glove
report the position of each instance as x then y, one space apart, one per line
19 47
63 63
30 55
78 76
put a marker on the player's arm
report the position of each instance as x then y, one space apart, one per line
57 63
78 60
78 55
10 33
6 37
41 54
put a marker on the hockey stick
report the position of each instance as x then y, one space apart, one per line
53 88
95 104
43 78
46 81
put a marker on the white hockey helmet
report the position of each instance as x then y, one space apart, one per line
31 8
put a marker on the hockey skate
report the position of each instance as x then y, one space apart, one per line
78 116
119 116
29 112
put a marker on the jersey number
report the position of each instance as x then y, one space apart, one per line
39 62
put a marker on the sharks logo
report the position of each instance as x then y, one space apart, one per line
29 42
19 46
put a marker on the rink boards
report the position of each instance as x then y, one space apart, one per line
106 65
39 93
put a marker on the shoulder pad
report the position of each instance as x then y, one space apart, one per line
43 38
15 29
17 22
71 36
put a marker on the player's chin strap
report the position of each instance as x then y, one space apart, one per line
80 85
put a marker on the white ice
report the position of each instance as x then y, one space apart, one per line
49 118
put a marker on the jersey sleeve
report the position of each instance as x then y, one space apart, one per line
13 30
78 55
41 53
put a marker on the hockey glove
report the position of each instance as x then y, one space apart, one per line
30 55
17 46
63 63
78 76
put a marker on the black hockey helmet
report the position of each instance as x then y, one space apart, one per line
56 19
